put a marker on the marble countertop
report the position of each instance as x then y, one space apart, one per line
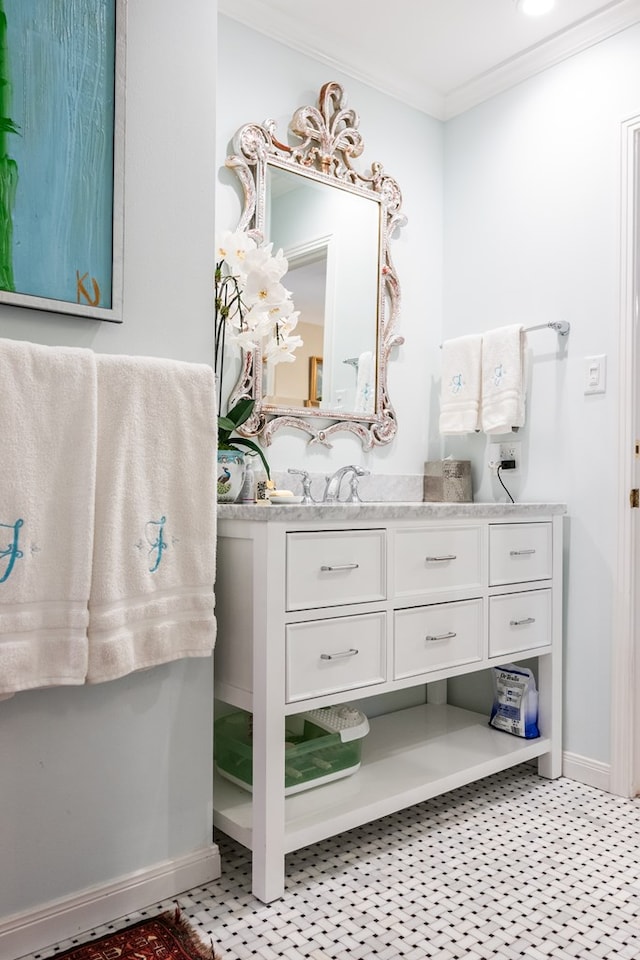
384 510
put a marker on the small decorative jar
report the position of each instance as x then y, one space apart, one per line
248 492
230 475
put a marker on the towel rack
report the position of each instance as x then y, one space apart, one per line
562 328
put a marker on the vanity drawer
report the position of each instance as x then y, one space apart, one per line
328 568
519 621
430 560
330 656
519 552
436 637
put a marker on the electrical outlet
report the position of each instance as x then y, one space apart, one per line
506 450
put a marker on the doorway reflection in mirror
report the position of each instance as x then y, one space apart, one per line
331 239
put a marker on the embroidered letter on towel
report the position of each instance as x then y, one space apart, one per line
154 552
503 386
365 383
47 479
460 385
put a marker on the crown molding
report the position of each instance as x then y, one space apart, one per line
617 16
547 53
252 15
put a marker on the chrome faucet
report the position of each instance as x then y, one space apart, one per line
306 484
333 484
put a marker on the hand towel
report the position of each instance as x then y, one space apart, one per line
151 597
47 480
503 382
460 385
365 383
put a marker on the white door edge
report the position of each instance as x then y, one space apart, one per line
625 701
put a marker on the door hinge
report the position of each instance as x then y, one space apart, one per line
634 497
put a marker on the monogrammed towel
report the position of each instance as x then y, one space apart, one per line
460 385
152 595
503 380
47 479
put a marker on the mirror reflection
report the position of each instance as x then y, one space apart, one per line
331 238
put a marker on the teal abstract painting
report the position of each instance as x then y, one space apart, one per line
60 155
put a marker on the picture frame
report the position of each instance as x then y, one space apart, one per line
62 129
315 381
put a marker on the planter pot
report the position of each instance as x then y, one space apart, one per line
230 475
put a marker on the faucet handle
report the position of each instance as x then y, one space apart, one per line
306 484
354 494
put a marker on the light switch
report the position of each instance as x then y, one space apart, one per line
595 374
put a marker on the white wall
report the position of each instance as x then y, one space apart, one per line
532 199
102 781
259 79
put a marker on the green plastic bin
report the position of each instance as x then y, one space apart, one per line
312 755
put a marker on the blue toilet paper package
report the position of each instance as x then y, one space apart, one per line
515 702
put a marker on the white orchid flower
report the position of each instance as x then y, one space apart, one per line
262 259
281 351
288 323
251 304
246 339
234 248
278 265
282 311
260 288
258 321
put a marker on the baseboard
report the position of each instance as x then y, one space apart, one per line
32 930
593 773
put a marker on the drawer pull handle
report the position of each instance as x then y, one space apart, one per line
449 556
338 656
339 566
518 623
441 636
521 553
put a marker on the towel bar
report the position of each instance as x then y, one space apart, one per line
562 328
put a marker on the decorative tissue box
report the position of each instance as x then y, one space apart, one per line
448 481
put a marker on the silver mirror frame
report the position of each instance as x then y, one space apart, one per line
330 140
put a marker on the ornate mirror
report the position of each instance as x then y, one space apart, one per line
334 225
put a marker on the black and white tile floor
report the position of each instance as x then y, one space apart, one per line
514 866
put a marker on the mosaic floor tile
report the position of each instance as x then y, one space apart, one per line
512 867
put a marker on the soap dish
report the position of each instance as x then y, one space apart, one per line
283 501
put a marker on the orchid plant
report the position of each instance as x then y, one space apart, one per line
253 311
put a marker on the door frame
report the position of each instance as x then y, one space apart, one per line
625 685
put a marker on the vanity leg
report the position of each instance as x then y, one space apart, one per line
267 871
268 807
549 717
437 692
550 671
268 810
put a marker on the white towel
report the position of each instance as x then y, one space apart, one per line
154 548
365 384
503 385
460 385
47 479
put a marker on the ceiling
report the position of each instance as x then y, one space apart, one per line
441 56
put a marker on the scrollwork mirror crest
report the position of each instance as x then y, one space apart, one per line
335 225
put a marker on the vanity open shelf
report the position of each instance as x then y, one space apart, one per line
430 593
408 756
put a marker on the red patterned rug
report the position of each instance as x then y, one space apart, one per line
165 937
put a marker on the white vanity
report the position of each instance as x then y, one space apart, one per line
322 605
